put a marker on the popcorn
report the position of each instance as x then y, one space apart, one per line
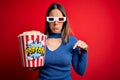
33 32
32 47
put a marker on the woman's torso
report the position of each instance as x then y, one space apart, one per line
57 62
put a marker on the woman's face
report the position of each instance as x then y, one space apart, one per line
55 26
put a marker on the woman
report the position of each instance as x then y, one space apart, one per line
62 49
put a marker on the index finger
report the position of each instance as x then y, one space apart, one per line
75 45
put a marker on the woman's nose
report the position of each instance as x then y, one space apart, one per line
56 22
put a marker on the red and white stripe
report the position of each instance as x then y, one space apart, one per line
23 45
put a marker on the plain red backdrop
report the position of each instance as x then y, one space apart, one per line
94 21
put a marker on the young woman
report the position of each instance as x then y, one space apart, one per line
62 49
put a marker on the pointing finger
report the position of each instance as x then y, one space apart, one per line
76 44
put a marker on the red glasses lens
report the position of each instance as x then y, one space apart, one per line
61 19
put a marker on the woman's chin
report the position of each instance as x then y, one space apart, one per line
56 31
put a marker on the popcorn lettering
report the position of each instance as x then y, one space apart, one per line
34 49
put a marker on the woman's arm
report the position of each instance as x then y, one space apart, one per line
79 60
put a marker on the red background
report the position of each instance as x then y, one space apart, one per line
94 21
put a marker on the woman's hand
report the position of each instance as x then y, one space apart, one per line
81 44
32 68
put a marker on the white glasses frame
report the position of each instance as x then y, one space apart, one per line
56 19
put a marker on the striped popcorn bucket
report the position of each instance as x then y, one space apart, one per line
32 47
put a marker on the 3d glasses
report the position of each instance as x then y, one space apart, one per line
53 19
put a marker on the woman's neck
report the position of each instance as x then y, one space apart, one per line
55 35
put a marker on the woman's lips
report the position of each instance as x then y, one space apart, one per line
56 27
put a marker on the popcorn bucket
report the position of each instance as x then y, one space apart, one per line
32 47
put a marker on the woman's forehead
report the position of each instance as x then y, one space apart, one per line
55 12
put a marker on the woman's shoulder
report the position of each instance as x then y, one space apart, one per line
73 39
